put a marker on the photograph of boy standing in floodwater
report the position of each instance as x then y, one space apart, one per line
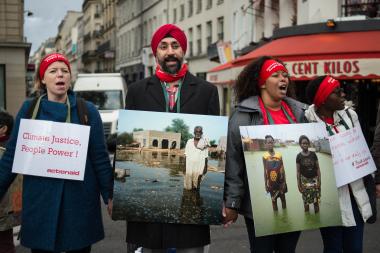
169 168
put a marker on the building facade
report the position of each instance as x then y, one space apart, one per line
66 40
14 53
107 49
92 38
157 139
136 21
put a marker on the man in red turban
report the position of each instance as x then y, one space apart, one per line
172 89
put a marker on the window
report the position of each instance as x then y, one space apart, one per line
209 4
2 86
199 6
145 33
190 8
209 32
191 52
97 11
174 16
220 2
104 100
199 39
182 14
220 29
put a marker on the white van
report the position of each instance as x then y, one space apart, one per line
107 91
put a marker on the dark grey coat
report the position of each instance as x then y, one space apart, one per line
236 192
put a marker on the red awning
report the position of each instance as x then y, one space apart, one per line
345 55
320 46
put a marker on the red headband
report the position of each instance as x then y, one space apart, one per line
269 67
327 86
172 31
49 59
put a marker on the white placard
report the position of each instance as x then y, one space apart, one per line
51 149
351 157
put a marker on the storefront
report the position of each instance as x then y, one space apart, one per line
351 54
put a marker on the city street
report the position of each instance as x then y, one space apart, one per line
232 240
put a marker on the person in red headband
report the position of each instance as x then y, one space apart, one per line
58 214
356 204
263 94
171 89
53 77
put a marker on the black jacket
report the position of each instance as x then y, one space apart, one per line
197 97
375 149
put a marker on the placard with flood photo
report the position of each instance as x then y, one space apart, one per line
291 177
169 167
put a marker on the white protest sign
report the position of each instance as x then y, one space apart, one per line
51 149
351 157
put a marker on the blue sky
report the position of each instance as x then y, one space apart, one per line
285 132
213 126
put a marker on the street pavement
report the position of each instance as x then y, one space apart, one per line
228 240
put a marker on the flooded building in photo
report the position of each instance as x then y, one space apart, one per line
157 139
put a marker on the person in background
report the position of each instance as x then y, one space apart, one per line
171 89
328 106
6 217
262 91
308 175
59 214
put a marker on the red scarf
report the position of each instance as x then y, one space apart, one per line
169 78
284 106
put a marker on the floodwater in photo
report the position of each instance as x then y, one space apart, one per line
294 217
153 189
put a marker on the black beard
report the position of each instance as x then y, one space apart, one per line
172 70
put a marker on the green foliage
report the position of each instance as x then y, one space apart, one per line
179 126
212 142
124 138
137 129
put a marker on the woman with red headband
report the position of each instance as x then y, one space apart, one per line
59 214
262 90
328 106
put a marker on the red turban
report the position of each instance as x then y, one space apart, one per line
49 59
168 30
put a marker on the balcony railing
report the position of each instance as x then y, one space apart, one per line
89 56
104 47
87 37
97 34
